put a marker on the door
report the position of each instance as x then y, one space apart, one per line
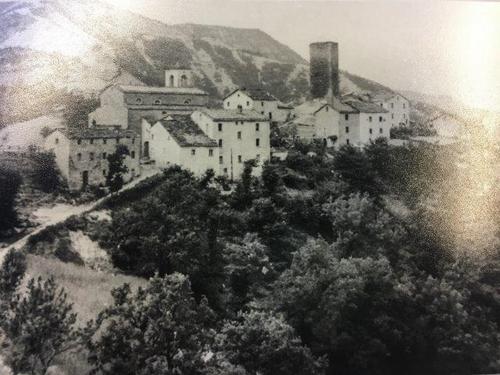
146 149
85 179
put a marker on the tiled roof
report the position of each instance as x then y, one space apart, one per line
365 107
98 132
233 115
186 132
255 94
161 90
310 107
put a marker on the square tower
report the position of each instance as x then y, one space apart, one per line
324 68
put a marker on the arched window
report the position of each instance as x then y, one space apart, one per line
187 101
171 81
138 101
184 81
157 102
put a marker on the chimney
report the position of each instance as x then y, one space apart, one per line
324 68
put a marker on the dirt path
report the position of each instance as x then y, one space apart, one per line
61 212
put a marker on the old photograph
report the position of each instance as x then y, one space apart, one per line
249 187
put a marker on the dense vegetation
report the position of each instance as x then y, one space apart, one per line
346 262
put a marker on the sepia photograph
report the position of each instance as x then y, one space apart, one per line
249 187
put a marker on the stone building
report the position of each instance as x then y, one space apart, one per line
126 105
240 134
81 154
324 70
177 139
258 100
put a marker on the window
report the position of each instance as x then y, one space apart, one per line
257 126
184 81
117 140
262 105
225 170
57 141
257 157
239 159
171 81
187 101
404 105
370 118
79 142
248 104
347 129
221 160
210 152
326 109
104 141
104 172
94 122
91 141
392 105
78 156
91 156
138 101
157 102
392 116
132 154
104 155
380 119
220 142
220 127
347 142
239 135
228 104
381 131
133 140
371 131
193 151
346 116
257 142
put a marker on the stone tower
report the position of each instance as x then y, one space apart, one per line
178 78
324 68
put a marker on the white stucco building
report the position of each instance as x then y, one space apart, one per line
258 100
397 106
177 139
363 124
240 134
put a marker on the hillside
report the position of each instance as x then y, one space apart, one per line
49 48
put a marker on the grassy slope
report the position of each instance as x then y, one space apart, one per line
89 290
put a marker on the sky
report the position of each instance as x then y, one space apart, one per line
439 48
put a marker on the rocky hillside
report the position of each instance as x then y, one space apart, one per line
53 50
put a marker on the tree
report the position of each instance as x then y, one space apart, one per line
40 326
157 330
369 318
271 180
173 230
264 344
243 194
45 174
355 168
117 168
248 269
11 273
10 181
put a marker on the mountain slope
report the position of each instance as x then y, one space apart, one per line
49 48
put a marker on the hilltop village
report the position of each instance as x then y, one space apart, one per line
162 126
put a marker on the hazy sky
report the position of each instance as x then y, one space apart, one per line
450 48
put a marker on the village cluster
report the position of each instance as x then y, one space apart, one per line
162 126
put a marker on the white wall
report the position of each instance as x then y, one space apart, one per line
166 152
399 110
232 147
351 122
267 108
327 122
